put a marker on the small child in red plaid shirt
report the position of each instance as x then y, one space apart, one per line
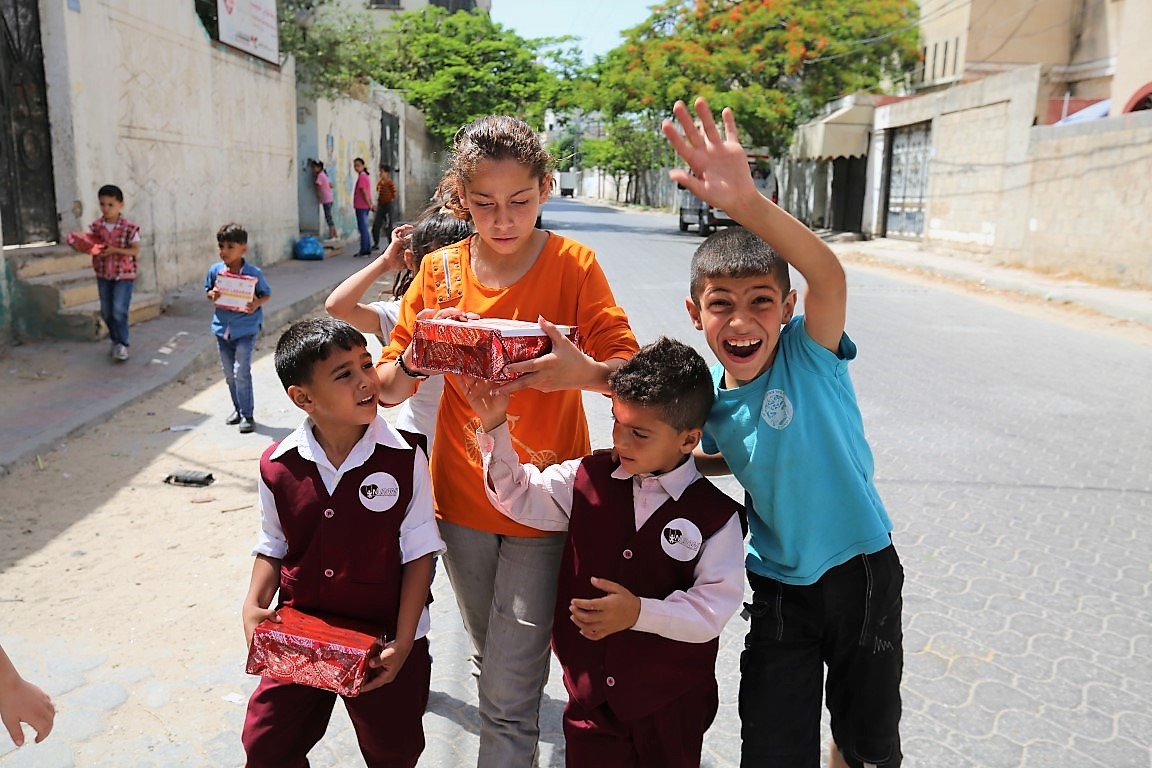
114 243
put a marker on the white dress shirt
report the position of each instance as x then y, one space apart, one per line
542 499
419 535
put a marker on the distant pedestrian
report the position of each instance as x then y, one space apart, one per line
385 195
22 702
363 205
346 529
114 245
433 229
324 194
826 579
637 634
237 319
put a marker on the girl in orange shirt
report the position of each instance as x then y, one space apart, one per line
504 573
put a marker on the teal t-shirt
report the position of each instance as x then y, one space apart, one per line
794 439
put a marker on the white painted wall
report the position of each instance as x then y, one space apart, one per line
195 133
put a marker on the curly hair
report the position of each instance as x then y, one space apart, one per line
495 137
669 376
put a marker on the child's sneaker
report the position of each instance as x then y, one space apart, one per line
233 418
120 352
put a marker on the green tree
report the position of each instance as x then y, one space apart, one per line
462 66
775 62
453 67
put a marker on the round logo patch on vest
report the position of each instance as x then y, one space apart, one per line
681 540
777 409
379 492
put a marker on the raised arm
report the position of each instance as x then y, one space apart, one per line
720 175
344 301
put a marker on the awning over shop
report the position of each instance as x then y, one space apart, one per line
842 133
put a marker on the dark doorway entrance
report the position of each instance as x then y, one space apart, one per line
27 196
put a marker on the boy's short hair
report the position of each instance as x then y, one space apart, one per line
111 190
669 376
232 233
736 252
307 342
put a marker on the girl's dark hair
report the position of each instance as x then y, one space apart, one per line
307 342
496 137
433 229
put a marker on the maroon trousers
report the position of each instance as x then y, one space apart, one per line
286 720
671 737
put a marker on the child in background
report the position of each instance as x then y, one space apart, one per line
115 266
362 204
652 569
434 229
825 577
385 195
504 573
330 544
236 329
22 702
324 194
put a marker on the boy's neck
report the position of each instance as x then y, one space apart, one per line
666 470
234 269
337 440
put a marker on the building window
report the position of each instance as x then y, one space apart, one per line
393 5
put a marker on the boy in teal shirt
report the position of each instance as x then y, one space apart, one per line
826 579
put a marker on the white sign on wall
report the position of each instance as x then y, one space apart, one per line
250 25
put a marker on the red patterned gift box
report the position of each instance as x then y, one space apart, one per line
82 241
329 652
480 348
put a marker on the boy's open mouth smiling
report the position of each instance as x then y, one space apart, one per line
742 347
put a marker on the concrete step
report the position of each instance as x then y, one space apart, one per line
82 322
71 288
28 263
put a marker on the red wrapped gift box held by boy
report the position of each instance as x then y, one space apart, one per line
324 652
83 242
480 348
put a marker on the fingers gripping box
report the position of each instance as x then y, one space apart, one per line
323 652
480 348
84 242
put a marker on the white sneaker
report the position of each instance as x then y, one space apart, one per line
120 352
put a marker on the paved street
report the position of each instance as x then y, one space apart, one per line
1013 447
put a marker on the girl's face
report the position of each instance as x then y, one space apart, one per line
503 197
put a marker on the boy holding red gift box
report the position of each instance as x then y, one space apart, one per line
347 530
652 567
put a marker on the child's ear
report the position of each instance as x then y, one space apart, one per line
789 307
694 313
689 439
546 188
300 398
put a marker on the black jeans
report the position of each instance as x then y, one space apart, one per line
382 219
849 620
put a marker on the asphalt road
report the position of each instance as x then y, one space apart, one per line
1014 451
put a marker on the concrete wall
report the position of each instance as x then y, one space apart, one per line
196 134
1067 199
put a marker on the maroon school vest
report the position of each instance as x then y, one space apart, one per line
637 673
343 549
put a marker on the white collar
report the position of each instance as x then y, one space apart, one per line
674 482
379 432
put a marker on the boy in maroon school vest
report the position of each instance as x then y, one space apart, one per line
652 570
347 528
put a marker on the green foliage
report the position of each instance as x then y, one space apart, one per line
775 62
454 67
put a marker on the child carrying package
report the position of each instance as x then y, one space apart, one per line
480 348
304 648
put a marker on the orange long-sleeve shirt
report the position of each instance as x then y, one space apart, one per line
565 285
